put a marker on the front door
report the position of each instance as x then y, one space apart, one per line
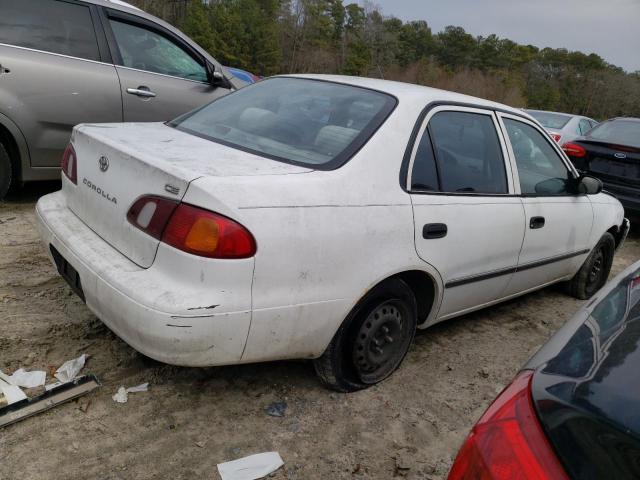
161 77
54 74
558 221
468 225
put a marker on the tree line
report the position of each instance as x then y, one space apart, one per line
268 37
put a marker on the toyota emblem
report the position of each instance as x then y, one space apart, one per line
103 163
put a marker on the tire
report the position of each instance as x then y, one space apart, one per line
595 270
372 341
6 172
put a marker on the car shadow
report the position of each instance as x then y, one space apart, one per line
32 191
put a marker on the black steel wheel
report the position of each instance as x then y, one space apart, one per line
595 270
373 340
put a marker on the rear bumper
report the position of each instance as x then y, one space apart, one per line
170 312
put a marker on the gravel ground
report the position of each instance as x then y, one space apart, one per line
191 419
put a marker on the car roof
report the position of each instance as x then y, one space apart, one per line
409 92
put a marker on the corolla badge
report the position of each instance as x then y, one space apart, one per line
619 155
103 163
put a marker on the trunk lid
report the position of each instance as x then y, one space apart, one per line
611 162
118 163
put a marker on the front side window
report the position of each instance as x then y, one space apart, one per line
56 27
467 151
144 49
540 168
301 121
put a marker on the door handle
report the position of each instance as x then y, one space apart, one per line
4 70
434 230
141 92
536 222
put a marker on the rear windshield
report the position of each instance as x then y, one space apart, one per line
550 120
305 122
622 132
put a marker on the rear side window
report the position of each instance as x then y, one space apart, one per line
306 122
52 26
467 153
144 49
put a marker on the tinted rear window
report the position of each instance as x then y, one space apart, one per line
550 120
300 121
52 26
622 132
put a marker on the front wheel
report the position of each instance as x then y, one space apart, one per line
595 270
372 341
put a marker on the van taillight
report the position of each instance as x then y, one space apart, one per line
191 229
508 441
69 164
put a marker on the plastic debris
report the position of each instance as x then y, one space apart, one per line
276 409
10 393
32 379
22 378
252 467
122 395
70 369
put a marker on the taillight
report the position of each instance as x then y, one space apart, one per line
207 234
508 441
574 150
191 229
69 164
556 136
151 214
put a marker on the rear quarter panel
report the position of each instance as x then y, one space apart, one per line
324 239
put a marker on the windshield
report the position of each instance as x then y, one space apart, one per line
305 122
622 132
550 120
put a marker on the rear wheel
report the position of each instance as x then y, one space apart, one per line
372 341
6 172
595 270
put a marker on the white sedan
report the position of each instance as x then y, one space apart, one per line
320 217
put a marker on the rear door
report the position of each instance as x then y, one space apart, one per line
56 73
468 223
161 75
558 222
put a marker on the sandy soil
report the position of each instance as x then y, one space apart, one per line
192 419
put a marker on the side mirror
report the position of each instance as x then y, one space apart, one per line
589 185
216 78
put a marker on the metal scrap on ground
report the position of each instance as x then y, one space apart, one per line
15 405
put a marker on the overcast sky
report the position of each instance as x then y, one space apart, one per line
610 28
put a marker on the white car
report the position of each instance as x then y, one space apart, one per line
320 217
563 127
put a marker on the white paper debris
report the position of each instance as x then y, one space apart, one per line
251 467
70 369
143 387
122 395
12 393
22 378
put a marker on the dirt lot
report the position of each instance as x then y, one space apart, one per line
192 419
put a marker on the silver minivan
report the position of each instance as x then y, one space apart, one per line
64 62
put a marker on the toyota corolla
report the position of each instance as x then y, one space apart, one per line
320 217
